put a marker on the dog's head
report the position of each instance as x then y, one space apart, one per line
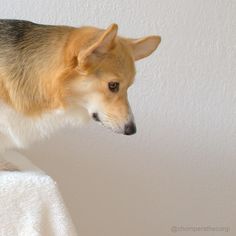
105 67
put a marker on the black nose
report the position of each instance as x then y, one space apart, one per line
96 117
130 128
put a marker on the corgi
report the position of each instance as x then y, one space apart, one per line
53 76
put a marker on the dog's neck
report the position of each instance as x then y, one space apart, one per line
19 131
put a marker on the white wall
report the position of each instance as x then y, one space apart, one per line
180 168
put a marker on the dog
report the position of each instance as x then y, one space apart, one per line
53 76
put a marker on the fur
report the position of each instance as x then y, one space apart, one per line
52 76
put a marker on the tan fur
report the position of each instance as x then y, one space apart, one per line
7 166
3 92
69 58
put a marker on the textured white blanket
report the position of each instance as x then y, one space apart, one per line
30 203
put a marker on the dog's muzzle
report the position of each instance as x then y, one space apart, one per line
129 128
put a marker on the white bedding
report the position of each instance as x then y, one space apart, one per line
30 203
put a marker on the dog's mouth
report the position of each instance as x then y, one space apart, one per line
128 129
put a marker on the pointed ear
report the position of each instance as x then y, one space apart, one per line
91 55
107 40
145 46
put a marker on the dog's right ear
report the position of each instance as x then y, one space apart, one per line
145 46
90 57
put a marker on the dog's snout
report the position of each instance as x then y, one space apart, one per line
130 128
96 117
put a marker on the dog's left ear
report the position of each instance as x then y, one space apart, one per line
91 56
145 46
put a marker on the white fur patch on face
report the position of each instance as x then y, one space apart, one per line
106 118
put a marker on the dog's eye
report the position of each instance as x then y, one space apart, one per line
113 86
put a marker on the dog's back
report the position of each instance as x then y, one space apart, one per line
20 34
17 37
20 41
14 31
27 50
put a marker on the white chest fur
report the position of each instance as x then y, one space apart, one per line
17 130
